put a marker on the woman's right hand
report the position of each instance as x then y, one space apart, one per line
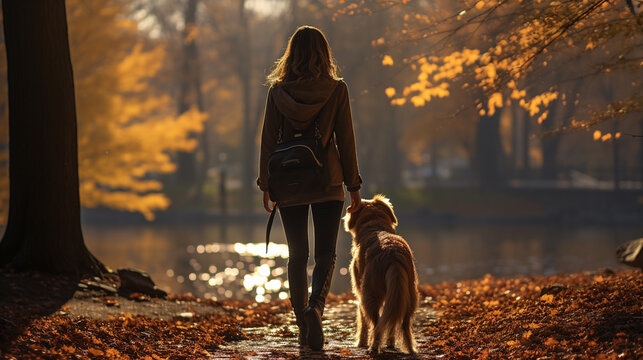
266 202
356 201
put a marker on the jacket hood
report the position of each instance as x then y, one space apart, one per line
301 100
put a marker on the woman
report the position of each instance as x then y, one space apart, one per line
304 87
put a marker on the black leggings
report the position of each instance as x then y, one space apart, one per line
326 218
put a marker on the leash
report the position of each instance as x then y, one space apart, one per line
269 226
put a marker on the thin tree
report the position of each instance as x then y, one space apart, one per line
189 76
244 70
43 230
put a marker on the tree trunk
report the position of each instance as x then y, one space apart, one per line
393 158
43 230
186 161
549 170
434 149
525 171
248 166
202 173
607 90
551 144
640 154
616 156
488 154
515 133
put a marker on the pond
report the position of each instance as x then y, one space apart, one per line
228 261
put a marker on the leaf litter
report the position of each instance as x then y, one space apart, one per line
581 315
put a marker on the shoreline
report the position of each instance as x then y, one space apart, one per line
438 206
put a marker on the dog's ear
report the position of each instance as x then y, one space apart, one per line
384 203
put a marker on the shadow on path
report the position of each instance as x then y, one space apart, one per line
278 342
26 296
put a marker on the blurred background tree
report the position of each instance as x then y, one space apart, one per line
126 128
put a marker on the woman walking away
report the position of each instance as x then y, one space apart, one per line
306 96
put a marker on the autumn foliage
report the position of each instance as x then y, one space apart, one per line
583 315
504 52
127 125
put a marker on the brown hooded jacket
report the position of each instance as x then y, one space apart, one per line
297 104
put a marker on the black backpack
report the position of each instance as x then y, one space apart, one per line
295 167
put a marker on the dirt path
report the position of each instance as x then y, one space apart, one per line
279 342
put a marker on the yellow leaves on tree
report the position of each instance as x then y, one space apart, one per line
495 101
505 59
127 129
526 42
543 116
398 101
137 67
191 34
446 68
535 105
135 151
598 135
387 60
449 68
378 42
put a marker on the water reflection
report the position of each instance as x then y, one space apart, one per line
245 270
230 261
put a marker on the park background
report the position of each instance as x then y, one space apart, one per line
507 135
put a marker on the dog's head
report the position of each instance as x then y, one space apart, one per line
377 209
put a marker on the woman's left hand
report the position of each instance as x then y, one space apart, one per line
266 202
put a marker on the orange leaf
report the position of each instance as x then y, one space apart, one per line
551 341
96 352
548 298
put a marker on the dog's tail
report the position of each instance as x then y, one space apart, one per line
400 301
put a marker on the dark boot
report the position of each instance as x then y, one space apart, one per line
322 275
302 336
299 293
313 317
321 284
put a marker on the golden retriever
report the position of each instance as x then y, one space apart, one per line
383 276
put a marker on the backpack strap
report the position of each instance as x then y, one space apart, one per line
280 134
317 132
269 226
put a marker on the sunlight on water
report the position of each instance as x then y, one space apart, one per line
263 272
274 250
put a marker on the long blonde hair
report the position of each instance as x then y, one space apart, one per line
308 56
